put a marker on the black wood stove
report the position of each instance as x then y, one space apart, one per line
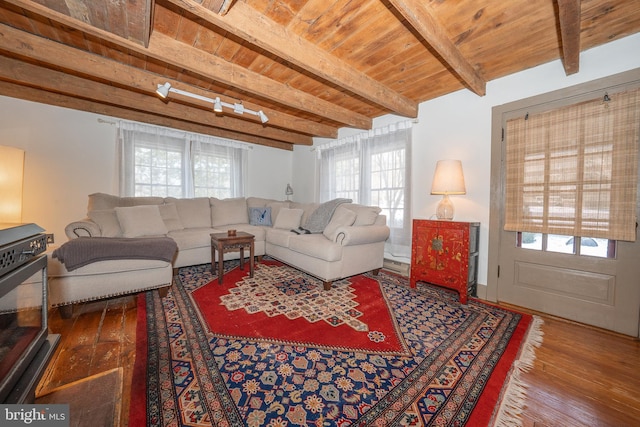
25 343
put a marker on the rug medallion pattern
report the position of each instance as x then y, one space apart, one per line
281 291
197 379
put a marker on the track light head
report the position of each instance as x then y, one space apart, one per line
217 105
163 90
263 117
238 108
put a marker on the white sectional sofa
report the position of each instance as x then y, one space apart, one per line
351 243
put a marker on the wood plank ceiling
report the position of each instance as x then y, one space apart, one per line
312 66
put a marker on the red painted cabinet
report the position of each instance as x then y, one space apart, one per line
445 253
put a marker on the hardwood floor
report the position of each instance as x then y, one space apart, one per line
99 337
582 376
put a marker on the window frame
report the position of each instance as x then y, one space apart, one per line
364 147
190 147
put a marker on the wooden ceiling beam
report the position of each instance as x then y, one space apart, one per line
187 57
50 52
420 18
173 52
219 6
569 19
245 22
16 71
27 93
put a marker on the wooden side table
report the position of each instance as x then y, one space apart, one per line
222 243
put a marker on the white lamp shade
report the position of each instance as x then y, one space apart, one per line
448 178
11 174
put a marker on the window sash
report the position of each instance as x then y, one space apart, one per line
574 170
179 164
373 168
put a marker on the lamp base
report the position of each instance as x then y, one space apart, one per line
445 209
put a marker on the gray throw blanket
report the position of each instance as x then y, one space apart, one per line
82 251
318 220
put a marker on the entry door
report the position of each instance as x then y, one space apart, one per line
595 291
603 292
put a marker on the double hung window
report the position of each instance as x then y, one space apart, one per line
373 168
164 162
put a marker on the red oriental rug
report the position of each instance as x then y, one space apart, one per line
275 350
280 305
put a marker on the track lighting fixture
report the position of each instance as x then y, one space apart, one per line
217 105
164 89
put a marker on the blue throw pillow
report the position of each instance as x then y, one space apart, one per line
260 216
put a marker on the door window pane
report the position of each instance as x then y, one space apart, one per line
587 246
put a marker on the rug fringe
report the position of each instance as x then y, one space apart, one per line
514 393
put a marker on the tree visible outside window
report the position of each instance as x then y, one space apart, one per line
373 169
168 163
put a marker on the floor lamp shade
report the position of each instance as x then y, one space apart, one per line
447 179
11 175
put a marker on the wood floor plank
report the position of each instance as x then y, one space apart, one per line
582 376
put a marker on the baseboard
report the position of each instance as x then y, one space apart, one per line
397 267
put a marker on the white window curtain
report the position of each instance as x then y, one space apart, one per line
158 161
373 168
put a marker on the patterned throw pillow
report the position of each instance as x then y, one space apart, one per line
260 216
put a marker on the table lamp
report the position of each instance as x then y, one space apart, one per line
447 179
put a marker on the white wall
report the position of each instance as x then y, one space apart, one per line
69 155
458 126
269 172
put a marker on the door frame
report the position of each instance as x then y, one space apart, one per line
499 115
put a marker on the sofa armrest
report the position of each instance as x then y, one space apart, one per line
360 235
82 228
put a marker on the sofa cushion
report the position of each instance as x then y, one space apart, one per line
288 219
342 217
258 202
258 231
260 216
279 237
191 238
57 269
102 201
169 214
229 211
108 222
307 208
366 215
144 220
193 213
275 208
317 246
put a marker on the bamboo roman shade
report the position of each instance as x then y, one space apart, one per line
574 170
